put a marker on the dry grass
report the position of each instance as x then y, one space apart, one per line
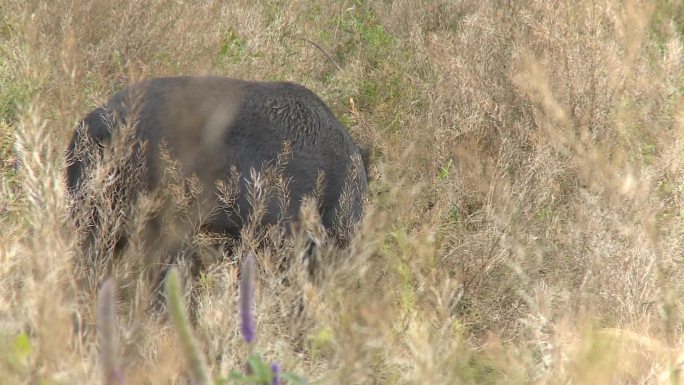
525 219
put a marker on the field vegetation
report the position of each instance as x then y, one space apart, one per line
525 222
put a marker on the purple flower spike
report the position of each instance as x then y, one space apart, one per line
275 370
247 278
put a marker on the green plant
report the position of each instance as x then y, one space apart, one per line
257 371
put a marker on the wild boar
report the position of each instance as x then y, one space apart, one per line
222 132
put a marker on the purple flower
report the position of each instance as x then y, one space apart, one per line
275 370
247 278
107 333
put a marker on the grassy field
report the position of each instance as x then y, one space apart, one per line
525 220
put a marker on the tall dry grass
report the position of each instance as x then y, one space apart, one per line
525 216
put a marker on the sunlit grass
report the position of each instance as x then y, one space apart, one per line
525 217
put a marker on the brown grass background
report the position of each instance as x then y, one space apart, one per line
525 220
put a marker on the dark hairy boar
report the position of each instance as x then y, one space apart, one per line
219 130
